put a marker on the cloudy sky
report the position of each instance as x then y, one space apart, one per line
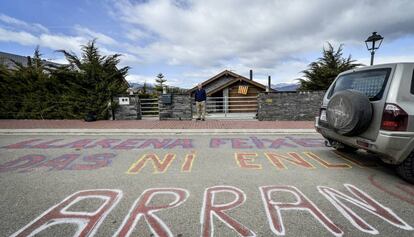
190 41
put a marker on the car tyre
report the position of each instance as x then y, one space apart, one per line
349 112
406 168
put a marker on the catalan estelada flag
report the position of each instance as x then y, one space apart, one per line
243 90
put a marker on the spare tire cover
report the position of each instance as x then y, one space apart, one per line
349 112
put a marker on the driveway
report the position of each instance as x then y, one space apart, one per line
196 185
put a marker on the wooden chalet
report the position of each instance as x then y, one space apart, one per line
231 92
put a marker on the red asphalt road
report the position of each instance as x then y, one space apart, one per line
155 124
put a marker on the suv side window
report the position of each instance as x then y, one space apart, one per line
412 84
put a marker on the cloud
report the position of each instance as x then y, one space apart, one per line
101 38
21 37
60 41
193 40
22 24
171 80
258 33
57 42
32 34
140 78
60 60
380 59
286 71
51 41
136 34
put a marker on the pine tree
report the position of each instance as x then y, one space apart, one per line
144 88
8 96
70 91
97 80
321 74
31 91
160 82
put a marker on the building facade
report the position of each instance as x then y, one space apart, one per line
231 92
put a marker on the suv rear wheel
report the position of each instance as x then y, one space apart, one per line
406 169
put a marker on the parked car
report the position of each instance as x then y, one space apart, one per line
372 108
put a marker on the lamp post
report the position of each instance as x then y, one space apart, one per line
370 43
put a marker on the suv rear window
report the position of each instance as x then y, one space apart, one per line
370 82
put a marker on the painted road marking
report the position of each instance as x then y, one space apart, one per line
142 209
291 157
243 160
89 222
210 209
29 163
168 143
302 203
160 166
365 202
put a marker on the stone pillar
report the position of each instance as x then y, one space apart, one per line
128 107
180 108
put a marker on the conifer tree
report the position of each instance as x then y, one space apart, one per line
321 73
144 88
97 80
30 92
38 91
160 82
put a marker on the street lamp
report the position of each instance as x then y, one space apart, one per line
370 43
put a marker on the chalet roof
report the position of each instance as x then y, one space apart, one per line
236 78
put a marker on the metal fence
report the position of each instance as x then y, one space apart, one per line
149 107
243 106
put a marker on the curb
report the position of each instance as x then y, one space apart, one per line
151 131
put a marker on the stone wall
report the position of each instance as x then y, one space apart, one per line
289 105
130 111
179 109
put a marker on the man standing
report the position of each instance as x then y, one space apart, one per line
200 98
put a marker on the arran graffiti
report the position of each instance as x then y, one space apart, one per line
216 209
402 191
210 209
142 209
87 222
364 202
302 203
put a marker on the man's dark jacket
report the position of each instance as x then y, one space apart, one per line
200 95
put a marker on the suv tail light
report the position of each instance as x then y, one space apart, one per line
394 118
